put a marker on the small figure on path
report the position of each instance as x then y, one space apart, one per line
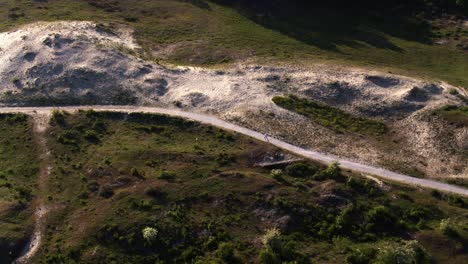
266 138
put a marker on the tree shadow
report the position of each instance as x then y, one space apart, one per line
329 27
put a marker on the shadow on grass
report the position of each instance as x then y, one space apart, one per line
330 26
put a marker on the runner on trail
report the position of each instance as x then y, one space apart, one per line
266 138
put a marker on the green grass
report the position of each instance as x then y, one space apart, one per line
455 115
18 171
198 187
331 117
213 34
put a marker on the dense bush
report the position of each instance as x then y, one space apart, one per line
91 136
106 192
361 256
447 228
277 249
408 252
380 219
58 117
226 253
166 175
69 137
300 170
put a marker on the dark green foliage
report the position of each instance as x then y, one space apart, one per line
333 172
91 136
381 219
267 256
166 175
106 192
225 159
58 117
69 137
330 117
156 194
226 253
136 173
456 201
362 186
300 170
364 256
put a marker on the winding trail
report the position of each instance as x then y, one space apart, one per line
207 119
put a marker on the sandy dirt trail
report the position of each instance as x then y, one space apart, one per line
310 154
40 122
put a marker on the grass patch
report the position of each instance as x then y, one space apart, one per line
404 168
331 117
18 170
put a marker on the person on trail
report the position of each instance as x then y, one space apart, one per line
266 138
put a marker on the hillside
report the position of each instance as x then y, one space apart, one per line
175 190
233 131
417 39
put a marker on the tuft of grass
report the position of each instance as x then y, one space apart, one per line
331 117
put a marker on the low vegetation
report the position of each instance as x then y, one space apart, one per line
455 115
18 171
155 189
331 117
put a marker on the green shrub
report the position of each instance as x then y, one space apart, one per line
277 174
58 117
362 186
68 137
363 256
166 175
446 227
106 192
91 136
300 170
266 256
333 171
409 252
225 252
225 159
380 219
135 173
